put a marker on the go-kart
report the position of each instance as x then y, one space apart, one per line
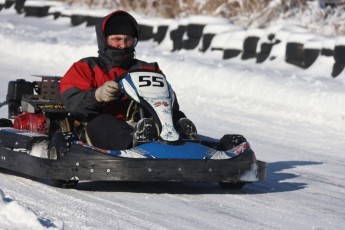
43 140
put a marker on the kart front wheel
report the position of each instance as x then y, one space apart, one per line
56 150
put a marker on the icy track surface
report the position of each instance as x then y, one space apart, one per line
293 118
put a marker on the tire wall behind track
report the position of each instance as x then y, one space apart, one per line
295 46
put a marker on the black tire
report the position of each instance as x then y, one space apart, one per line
161 33
176 37
146 32
310 56
228 141
264 52
77 20
57 146
92 20
206 41
232 185
339 54
56 150
5 122
337 69
36 11
249 47
294 54
231 53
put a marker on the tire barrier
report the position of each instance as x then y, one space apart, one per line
294 53
302 49
176 37
36 11
146 32
161 32
231 53
234 44
77 19
264 48
337 69
194 33
19 6
327 52
217 37
339 57
327 49
339 54
301 56
310 56
211 30
217 43
9 3
249 47
250 43
149 29
312 50
92 20
206 41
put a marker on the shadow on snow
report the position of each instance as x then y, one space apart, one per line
277 177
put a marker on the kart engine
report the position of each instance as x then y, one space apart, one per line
30 102
35 122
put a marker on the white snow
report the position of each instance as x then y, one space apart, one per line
293 118
15 216
40 150
38 3
217 28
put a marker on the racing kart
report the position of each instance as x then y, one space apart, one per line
43 140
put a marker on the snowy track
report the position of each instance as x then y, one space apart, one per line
294 120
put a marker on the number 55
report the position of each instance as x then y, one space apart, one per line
151 80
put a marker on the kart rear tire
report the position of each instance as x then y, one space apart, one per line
232 185
56 150
57 146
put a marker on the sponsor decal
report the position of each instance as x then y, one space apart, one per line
159 103
48 106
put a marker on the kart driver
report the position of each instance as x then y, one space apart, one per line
91 94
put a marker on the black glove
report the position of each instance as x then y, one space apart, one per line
229 141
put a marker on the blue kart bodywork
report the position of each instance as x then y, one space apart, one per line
155 161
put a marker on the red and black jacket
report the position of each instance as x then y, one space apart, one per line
79 84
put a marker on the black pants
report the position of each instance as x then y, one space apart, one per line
107 132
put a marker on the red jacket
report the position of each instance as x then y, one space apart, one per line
79 84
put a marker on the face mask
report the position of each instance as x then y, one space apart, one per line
120 57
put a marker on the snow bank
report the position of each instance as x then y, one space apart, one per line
14 216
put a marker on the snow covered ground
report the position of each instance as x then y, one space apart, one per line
293 118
